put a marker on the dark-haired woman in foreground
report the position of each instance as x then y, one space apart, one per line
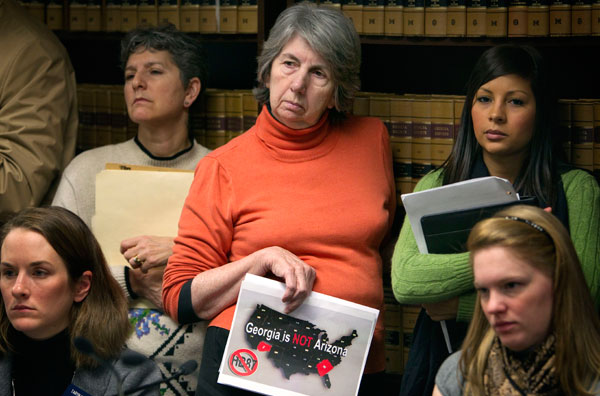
55 287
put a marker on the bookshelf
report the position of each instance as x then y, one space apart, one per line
393 64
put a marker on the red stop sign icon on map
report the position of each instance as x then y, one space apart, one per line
243 362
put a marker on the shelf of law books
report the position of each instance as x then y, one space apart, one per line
220 116
471 18
422 128
199 16
387 18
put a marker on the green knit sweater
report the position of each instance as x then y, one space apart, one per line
425 278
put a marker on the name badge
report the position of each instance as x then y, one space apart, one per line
73 390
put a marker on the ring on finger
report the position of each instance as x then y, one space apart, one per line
137 260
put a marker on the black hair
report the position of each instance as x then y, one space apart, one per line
539 174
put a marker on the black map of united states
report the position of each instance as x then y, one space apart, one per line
294 345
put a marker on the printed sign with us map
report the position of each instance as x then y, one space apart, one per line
319 349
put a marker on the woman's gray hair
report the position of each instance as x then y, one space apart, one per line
330 34
186 52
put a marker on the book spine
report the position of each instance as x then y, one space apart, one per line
401 144
234 113
393 11
414 18
247 20
87 117
459 104
54 15
360 107
538 18
336 4
565 126
442 130
93 14
147 12
112 15
198 120
476 18
436 14
228 12
169 11
582 146
379 106
251 110
581 17
353 9
373 17
456 19
119 118
497 18
517 18
129 15
77 15
103 127
190 16
559 17
421 138
216 124
596 18
208 16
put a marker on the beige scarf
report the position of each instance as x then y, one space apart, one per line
511 373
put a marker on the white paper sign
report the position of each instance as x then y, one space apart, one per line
320 348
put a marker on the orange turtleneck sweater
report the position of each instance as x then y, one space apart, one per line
325 193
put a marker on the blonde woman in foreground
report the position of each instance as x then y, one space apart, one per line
535 330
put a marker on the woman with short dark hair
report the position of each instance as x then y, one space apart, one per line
164 72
